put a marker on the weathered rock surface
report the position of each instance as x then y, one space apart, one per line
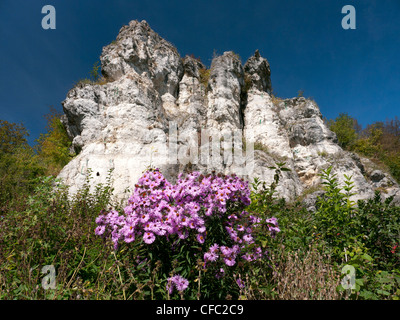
156 106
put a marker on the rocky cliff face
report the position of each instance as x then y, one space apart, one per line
159 109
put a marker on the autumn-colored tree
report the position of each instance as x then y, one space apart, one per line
379 141
12 135
369 143
390 141
53 147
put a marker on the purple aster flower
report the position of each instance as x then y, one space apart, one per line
181 283
273 226
130 238
214 248
184 222
233 217
235 249
182 234
248 238
192 224
225 250
144 218
159 229
209 211
101 219
158 208
248 257
229 261
100 230
200 238
149 237
272 220
127 230
254 219
240 283
210 256
274 231
178 282
148 226
258 250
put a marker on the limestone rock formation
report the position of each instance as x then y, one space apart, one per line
155 108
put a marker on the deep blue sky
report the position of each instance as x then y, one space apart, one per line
353 71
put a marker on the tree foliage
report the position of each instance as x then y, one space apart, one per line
344 127
53 147
21 164
18 162
379 141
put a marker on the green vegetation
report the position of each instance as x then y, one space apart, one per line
306 259
342 250
22 165
343 126
247 83
236 55
260 146
275 99
19 164
204 77
379 141
53 148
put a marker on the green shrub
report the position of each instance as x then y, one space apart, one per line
54 229
343 126
335 211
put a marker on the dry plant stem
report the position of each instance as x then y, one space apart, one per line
151 285
60 249
98 282
77 268
198 292
119 273
137 290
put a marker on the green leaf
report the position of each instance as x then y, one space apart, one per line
360 282
367 257
383 292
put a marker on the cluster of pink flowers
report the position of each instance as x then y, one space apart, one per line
178 282
158 209
241 236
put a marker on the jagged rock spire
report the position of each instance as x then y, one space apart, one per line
259 71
